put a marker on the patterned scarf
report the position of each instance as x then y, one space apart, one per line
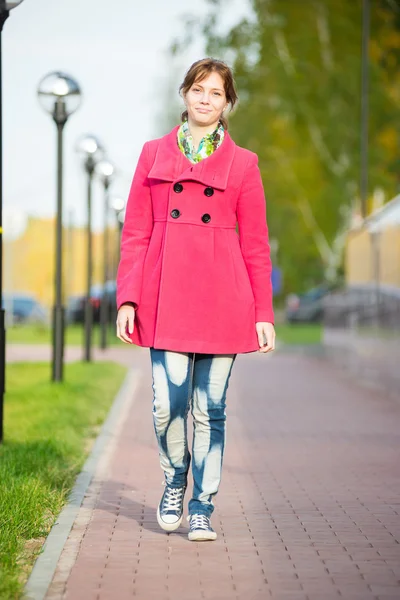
209 143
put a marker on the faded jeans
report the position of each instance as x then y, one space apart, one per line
200 382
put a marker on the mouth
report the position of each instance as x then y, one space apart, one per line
203 110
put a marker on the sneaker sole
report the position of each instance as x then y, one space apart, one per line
202 536
168 526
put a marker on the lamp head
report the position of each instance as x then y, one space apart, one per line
89 145
12 4
59 95
105 170
117 203
90 148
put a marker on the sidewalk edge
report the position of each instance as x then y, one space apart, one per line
45 566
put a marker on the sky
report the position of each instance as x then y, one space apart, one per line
116 51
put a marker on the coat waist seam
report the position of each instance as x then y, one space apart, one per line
205 225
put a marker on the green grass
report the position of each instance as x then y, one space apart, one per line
48 431
39 334
300 333
36 334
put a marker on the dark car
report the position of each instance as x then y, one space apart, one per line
111 292
24 308
75 312
75 309
308 307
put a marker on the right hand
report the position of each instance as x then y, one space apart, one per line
126 316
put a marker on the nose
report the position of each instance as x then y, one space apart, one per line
204 98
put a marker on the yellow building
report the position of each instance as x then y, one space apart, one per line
29 260
373 250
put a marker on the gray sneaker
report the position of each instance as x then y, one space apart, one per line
200 528
170 509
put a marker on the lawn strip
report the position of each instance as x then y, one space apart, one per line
299 333
49 430
41 334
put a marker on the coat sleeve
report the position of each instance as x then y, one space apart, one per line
136 233
253 235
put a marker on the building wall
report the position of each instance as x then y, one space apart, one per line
390 257
369 258
358 269
29 261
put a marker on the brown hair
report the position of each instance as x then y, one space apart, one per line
199 70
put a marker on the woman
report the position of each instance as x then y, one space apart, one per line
190 288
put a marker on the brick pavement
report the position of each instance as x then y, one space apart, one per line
308 507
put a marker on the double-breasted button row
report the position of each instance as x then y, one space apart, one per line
175 214
208 191
178 188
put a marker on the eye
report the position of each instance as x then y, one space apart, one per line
196 89
217 94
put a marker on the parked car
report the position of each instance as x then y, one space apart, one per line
75 311
363 305
25 308
308 307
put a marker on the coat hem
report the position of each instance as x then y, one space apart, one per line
200 347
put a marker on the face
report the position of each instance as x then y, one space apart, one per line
206 100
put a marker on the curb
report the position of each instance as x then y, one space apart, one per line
45 566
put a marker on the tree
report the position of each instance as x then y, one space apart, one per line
297 67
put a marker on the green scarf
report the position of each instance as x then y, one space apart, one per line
209 143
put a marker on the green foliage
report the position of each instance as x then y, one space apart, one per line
302 334
298 70
47 430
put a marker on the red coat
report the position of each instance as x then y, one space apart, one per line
198 285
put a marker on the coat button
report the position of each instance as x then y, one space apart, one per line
175 213
178 188
208 191
206 218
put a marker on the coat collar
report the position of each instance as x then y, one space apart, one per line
171 165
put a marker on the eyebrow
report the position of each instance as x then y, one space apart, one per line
199 85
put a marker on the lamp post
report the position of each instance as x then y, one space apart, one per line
366 24
105 171
5 8
60 96
120 221
118 205
92 151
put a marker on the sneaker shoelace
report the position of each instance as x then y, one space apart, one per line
199 522
172 499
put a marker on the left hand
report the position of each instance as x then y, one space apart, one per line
267 331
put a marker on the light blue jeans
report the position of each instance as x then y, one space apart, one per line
200 382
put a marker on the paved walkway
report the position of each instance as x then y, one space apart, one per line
308 508
43 352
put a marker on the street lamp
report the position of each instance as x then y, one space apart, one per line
5 8
92 151
118 205
60 96
121 219
365 31
105 171
120 223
